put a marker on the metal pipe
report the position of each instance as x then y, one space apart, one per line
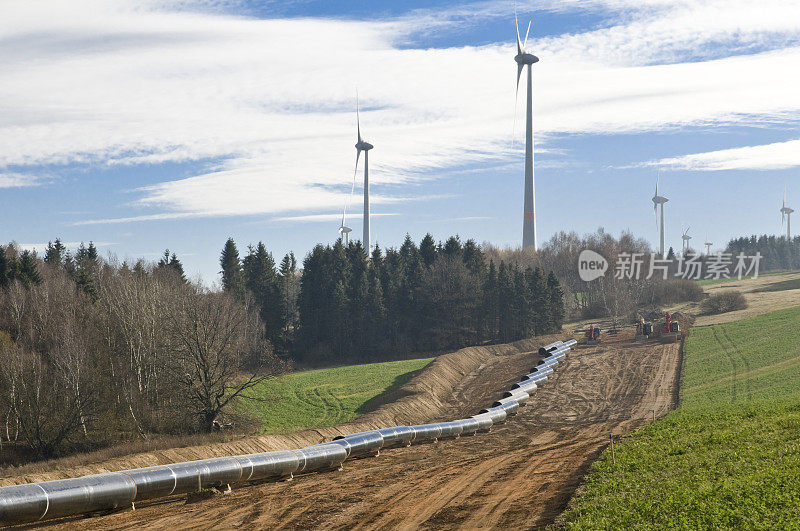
396 436
361 444
321 456
521 398
547 348
497 414
525 395
469 426
485 422
426 432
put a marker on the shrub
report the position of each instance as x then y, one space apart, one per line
727 301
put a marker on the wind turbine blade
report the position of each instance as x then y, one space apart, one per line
516 99
516 24
525 42
358 122
658 175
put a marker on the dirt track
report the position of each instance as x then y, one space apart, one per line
520 475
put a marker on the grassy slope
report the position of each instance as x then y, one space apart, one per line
325 397
729 456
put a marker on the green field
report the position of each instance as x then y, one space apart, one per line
324 397
729 457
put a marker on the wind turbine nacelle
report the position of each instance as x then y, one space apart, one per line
345 230
659 200
526 59
364 146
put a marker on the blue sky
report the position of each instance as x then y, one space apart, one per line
177 123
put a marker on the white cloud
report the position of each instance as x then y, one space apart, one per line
777 156
18 180
115 82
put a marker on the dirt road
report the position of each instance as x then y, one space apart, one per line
520 475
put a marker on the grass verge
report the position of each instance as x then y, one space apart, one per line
325 397
729 457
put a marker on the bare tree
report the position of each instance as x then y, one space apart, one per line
217 353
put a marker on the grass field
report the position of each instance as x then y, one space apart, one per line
729 457
324 397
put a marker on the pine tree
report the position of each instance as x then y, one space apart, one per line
538 317
556 299
54 255
489 306
6 267
473 258
231 266
171 263
452 247
27 270
261 279
427 250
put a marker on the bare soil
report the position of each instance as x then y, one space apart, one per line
521 475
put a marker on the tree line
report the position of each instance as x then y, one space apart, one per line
347 305
93 350
778 253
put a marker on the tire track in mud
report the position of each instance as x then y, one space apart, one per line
520 475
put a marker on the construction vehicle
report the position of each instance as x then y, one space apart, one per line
593 335
643 329
670 330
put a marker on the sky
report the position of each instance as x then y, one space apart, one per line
144 125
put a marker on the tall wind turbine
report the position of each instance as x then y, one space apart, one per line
685 237
660 200
708 245
523 59
786 215
361 145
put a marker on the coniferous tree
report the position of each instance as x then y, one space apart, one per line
261 279
473 257
6 268
171 263
427 250
27 270
556 299
54 254
231 266
452 247
490 305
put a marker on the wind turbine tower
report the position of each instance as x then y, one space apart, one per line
660 200
361 145
685 237
523 59
786 215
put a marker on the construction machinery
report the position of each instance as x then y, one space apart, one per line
670 330
593 335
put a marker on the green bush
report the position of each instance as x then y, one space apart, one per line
727 301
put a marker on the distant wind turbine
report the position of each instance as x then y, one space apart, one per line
523 59
786 215
660 200
708 245
685 237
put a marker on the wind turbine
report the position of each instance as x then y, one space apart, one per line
786 214
361 145
708 245
685 237
523 59
660 200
